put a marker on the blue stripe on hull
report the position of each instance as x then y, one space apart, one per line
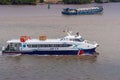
81 13
89 51
67 52
53 52
70 52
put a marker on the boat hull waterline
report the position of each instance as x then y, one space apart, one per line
64 52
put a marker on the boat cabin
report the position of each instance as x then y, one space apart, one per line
69 10
76 37
13 45
26 42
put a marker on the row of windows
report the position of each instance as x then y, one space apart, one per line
48 45
78 40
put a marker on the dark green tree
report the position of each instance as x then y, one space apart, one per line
5 2
115 0
41 1
76 1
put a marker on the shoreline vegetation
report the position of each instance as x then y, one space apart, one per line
35 2
18 2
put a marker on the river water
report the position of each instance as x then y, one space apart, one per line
38 20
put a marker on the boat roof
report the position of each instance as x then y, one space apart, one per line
64 39
38 41
88 8
73 36
14 40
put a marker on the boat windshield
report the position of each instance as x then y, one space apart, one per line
70 10
79 40
13 47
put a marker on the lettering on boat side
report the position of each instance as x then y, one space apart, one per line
54 48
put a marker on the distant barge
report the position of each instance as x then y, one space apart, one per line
83 11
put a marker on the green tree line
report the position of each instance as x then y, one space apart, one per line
19 1
76 1
86 1
64 1
115 0
101 1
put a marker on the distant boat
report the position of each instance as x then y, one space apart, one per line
84 11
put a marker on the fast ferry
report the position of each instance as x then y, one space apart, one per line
68 45
83 11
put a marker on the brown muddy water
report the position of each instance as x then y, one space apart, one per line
38 20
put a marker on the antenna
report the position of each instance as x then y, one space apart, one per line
67 31
77 34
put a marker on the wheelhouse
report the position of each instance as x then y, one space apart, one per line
13 45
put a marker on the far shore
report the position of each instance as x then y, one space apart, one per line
38 3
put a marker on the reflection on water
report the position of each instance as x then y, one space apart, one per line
34 67
91 58
67 58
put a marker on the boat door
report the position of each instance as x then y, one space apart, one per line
17 46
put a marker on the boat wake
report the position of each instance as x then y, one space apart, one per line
0 53
12 55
